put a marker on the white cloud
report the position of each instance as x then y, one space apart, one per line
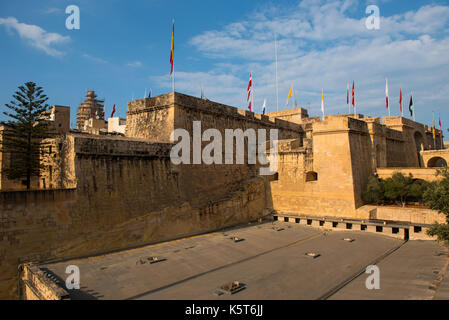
36 36
94 59
326 45
134 64
52 10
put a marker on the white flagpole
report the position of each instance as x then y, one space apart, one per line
276 64
145 95
413 106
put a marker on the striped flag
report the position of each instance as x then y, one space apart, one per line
439 121
322 101
347 94
386 91
353 96
250 83
172 48
400 100
264 105
433 125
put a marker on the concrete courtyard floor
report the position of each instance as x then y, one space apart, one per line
271 262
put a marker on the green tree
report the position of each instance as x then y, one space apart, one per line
441 230
417 190
374 190
436 196
397 188
24 132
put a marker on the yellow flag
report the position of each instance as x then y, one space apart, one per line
322 101
290 93
433 125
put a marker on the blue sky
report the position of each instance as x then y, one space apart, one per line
122 48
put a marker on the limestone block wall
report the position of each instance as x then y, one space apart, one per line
361 157
126 193
430 155
409 215
332 192
155 118
415 137
428 174
151 119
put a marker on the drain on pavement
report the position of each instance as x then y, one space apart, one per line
236 239
313 255
151 260
156 259
230 288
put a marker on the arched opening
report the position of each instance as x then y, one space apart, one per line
419 143
436 162
311 176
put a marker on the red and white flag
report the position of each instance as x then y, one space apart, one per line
113 111
347 94
439 121
250 83
386 92
400 99
353 97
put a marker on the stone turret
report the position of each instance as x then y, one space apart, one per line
88 108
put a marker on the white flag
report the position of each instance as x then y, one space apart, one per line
322 101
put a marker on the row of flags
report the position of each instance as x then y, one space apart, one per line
410 106
433 126
250 91
101 116
291 93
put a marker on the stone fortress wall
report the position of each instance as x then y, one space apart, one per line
112 193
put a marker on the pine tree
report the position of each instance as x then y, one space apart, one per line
24 132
